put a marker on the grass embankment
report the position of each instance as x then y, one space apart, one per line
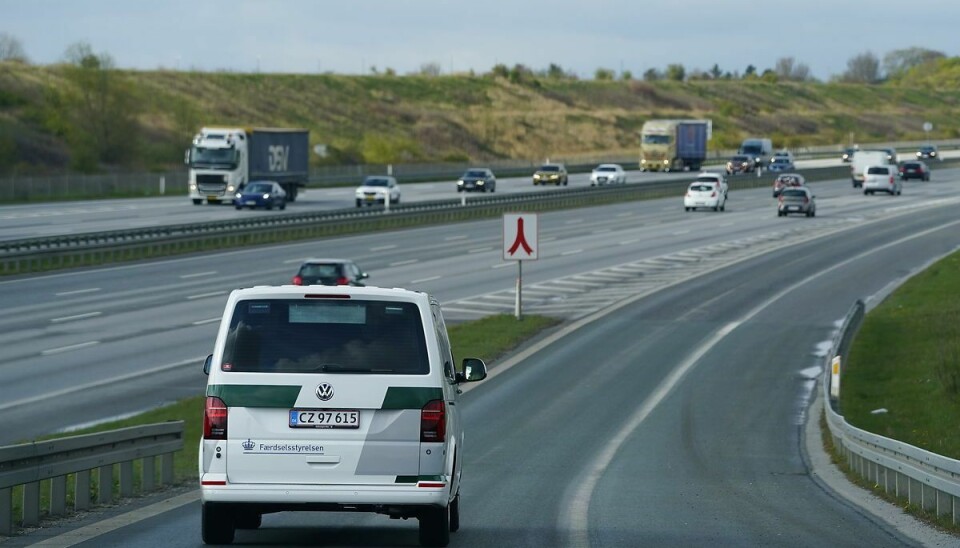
488 338
906 359
378 119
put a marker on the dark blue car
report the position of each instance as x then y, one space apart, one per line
266 194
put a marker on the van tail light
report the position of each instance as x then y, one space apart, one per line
297 280
891 180
433 422
713 194
342 280
806 201
215 419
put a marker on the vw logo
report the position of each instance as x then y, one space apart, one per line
325 391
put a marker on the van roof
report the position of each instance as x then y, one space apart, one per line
367 292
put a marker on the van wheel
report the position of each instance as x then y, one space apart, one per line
455 514
435 526
217 525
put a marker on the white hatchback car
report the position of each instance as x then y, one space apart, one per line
706 194
608 174
332 398
376 189
882 179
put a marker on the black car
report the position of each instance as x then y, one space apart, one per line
847 155
928 152
914 169
740 164
265 194
329 272
481 179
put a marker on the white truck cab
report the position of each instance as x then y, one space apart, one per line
218 164
332 398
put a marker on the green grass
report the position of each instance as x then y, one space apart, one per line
906 359
488 338
474 116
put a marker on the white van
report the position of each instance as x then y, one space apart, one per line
862 159
332 398
761 150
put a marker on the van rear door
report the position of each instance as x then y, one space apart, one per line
324 392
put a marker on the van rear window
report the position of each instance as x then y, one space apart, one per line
296 336
877 170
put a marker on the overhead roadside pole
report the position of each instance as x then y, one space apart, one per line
520 238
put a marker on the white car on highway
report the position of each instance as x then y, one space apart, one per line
882 179
704 194
719 178
376 189
608 174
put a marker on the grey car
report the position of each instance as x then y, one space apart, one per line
796 200
479 179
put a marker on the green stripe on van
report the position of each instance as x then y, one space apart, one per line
410 397
406 479
255 395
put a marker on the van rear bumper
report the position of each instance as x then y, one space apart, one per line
340 495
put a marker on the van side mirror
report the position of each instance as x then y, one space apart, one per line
473 370
206 364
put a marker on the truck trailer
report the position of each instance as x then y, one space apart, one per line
223 160
674 145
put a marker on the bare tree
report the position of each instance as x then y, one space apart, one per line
430 69
101 107
863 68
787 68
11 49
900 61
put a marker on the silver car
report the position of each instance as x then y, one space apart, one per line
882 179
798 199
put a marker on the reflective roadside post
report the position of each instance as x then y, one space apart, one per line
520 237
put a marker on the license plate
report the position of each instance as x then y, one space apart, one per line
251 202
370 198
211 197
324 418
794 208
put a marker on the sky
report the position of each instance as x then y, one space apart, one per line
356 36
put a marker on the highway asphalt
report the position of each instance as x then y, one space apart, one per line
673 420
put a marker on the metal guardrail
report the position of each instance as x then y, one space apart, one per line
918 476
37 254
30 463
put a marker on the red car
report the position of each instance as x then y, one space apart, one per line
914 169
787 180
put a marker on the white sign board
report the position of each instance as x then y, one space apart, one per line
927 126
520 234
835 377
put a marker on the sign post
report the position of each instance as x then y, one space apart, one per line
520 237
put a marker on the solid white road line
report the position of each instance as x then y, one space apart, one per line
572 252
501 265
84 534
403 263
454 238
77 317
383 247
480 249
422 280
